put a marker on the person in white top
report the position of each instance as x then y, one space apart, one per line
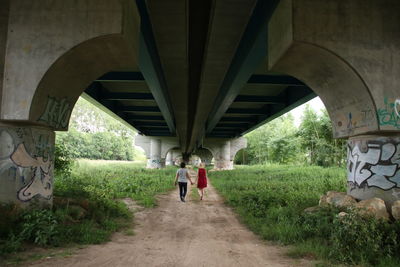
182 176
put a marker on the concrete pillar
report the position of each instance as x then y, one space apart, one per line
373 167
168 159
222 159
176 157
155 160
205 155
26 164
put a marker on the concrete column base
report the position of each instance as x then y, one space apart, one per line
155 163
223 164
373 167
26 165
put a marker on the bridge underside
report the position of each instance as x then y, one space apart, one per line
261 99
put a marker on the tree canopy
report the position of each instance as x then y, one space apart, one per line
94 134
280 141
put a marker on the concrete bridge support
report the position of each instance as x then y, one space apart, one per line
156 149
373 167
224 151
26 164
168 159
348 53
50 51
205 156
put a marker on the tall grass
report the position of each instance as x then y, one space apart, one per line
115 179
271 201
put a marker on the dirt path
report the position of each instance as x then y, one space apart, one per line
195 233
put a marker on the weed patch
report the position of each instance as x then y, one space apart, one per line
271 200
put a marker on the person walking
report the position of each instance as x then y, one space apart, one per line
201 180
182 177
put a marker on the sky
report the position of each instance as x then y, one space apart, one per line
315 103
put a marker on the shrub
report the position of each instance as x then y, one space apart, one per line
62 159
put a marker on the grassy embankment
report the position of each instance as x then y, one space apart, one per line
271 201
85 209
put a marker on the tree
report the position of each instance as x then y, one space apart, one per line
280 141
93 134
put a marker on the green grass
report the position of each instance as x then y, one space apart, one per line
110 180
271 199
86 209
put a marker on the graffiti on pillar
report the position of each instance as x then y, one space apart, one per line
378 167
32 174
154 163
40 183
390 114
57 112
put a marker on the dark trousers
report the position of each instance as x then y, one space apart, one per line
182 189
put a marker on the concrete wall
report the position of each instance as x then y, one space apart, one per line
56 48
4 11
348 52
26 165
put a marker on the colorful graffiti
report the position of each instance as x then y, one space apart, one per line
57 112
378 167
30 172
390 114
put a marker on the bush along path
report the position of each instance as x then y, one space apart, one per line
271 201
175 233
86 209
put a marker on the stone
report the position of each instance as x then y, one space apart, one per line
396 210
342 214
374 207
337 199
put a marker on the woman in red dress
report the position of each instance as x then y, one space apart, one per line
201 180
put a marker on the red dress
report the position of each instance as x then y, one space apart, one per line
202 181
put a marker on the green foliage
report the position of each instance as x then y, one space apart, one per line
271 200
280 141
62 159
357 239
315 134
84 207
39 226
275 141
93 134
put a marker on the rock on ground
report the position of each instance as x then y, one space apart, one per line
374 207
337 199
